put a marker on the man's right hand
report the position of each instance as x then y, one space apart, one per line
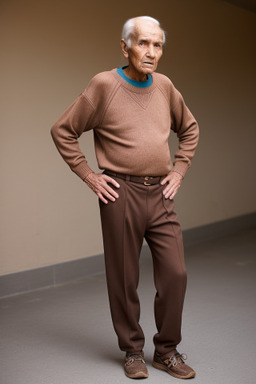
99 183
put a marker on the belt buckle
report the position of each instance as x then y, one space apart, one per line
147 178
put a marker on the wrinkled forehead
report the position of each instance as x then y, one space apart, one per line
147 30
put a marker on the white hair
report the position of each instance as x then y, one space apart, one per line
129 26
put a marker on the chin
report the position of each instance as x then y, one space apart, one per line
148 71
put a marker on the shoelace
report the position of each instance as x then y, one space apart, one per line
134 357
176 359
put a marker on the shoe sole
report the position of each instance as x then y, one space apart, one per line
166 369
137 375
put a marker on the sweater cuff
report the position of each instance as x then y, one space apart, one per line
180 167
82 170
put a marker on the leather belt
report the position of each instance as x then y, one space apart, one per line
146 180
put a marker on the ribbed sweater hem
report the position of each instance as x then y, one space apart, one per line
82 170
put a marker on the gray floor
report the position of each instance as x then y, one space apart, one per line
64 335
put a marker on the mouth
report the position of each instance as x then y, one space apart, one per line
148 63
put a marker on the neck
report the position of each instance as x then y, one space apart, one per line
135 76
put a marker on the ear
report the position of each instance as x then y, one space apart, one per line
124 48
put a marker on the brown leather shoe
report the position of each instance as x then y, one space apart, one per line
135 366
174 365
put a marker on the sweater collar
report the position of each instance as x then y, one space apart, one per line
131 87
139 84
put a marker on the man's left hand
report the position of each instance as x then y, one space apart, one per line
173 181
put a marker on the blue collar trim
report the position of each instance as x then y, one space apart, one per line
139 84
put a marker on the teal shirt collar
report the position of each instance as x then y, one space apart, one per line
139 84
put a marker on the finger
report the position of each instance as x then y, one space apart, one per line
110 192
102 198
105 197
109 196
164 181
171 197
112 181
171 191
168 194
168 189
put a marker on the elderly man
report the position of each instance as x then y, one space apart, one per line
131 111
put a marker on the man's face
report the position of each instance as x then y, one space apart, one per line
145 51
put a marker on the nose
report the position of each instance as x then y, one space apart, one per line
151 51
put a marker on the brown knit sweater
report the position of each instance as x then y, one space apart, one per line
131 127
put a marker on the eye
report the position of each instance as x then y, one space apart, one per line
141 43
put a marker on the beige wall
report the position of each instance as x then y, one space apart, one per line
50 50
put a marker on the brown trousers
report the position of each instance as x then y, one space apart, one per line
142 212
